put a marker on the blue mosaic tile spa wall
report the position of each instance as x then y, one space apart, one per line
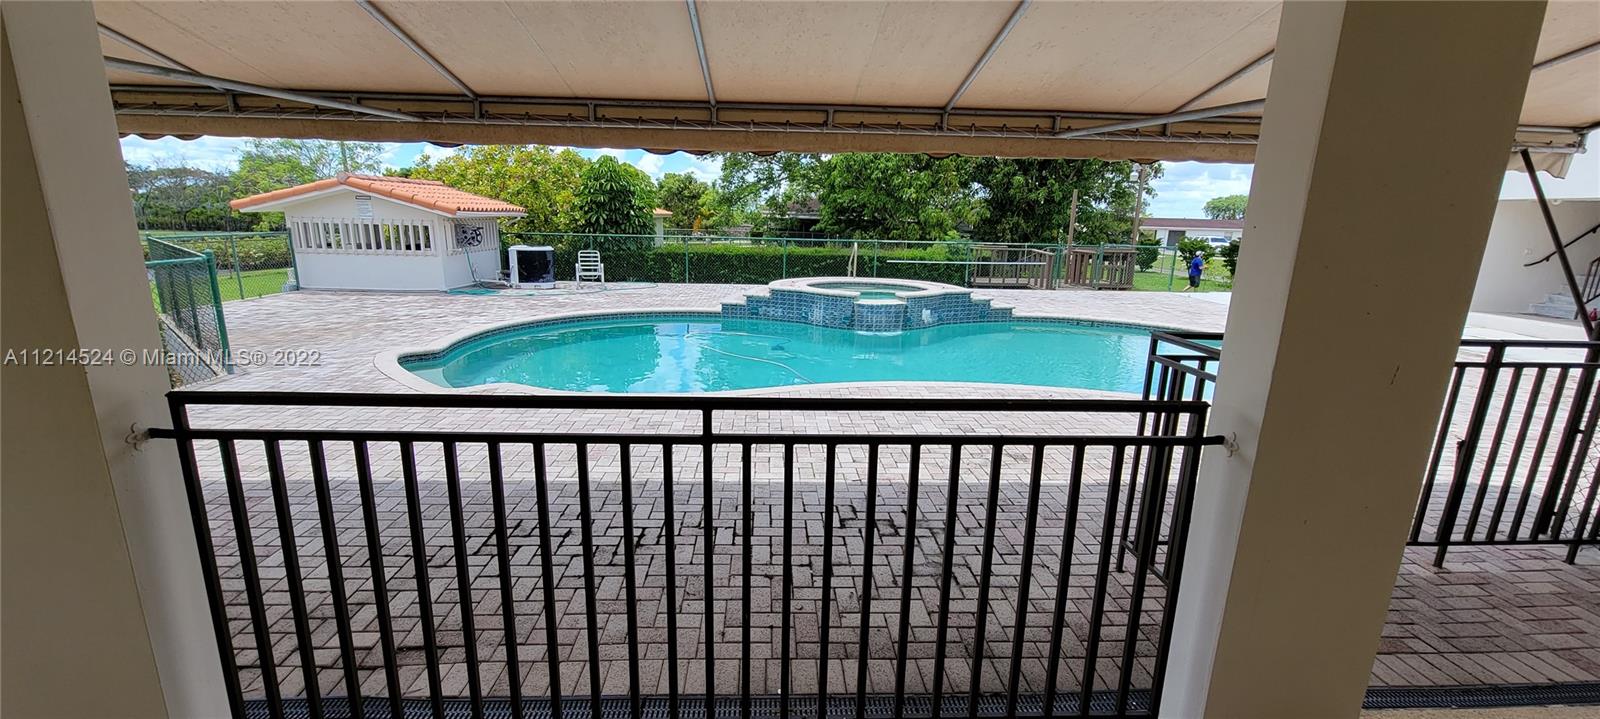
865 316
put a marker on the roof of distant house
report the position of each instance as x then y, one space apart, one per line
1191 223
427 194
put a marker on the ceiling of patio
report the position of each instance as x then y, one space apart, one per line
979 77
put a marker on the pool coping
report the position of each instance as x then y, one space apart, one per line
388 362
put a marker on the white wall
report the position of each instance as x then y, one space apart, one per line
1518 236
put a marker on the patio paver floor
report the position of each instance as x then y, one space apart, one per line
1493 615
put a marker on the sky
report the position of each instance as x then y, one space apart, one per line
1181 191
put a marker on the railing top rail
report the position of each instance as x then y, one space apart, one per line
791 438
1191 341
1541 344
671 402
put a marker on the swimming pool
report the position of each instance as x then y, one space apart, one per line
711 353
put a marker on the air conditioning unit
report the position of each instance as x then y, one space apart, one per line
532 267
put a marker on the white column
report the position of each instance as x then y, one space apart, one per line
83 190
1387 132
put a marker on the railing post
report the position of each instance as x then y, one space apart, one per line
1467 449
216 304
233 261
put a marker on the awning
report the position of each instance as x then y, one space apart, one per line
1146 81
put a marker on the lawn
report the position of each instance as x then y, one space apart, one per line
1158 277
257 283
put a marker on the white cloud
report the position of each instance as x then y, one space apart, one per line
1184 187
706 169
612 151
651 164
211 153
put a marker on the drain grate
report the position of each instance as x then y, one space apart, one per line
882 706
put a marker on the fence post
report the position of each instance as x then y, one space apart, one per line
216 304
1466 450
233 255
686 260
1172 270
786 258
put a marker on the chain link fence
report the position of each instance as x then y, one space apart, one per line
706 259
188 302
249 264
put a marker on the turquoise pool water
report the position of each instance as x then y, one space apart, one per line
868 290
705 353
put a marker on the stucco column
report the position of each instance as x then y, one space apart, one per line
101 572
1388 127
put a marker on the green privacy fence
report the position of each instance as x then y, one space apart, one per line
188 300
759 260
249 264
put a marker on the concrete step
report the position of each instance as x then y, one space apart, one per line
1561 298
1557 311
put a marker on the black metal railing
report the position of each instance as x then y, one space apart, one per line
366 567
1514 460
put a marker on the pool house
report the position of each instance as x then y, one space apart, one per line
373 232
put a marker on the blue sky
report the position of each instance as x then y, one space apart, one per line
1181 192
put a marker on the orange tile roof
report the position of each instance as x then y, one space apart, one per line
427 194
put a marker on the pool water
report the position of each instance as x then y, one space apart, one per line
706 353
868 290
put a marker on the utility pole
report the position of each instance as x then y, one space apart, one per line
1072 218
1138 208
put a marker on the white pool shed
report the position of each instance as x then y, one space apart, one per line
370 232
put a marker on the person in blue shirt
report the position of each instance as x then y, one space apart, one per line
1197 265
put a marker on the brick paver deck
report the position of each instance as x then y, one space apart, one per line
1491 616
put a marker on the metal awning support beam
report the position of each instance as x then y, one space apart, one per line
1169 118
245 87
1236 76
409 42
700 49
994 45
1566 57
148 51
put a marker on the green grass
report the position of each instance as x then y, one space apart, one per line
1158 277
257 283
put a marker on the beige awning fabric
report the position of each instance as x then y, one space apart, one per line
990 77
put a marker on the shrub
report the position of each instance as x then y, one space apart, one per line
761 262
1230 257
1149 252
1190 245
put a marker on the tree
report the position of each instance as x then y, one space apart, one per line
758 190
1030 200
1229 207
1148 252
266 165
1190 245
614 199
895 197
693 203
534 177
180 198
1230 257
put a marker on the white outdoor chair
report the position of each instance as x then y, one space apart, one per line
590 267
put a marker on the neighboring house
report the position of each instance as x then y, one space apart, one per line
1169 230
370 232
1518 236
